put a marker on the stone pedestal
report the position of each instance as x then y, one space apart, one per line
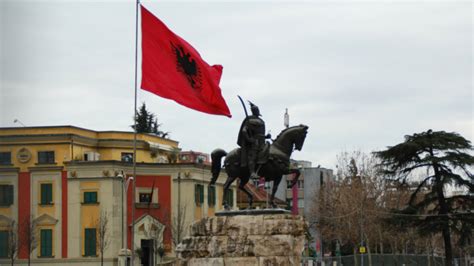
265 239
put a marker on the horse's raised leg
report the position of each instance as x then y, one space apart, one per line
243 182
295 178
227 184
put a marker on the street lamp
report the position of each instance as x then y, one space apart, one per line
19 122
125 184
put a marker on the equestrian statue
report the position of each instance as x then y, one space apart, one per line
258 158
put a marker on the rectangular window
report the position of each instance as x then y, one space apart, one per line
90 242
3 244
46 157
46 238
144 197
46 194
230 197
321 179
211 195
300 203
199 194
300 184
127 157
6 195
5 158
90 197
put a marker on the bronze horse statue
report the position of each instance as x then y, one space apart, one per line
276 164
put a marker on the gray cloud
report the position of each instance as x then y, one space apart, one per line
360 74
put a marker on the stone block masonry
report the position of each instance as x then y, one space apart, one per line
265 239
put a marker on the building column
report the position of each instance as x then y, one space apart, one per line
24 208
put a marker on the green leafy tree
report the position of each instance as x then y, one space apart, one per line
442 160
147 122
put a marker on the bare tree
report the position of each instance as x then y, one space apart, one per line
355 210
102 239
179 225
347 206
28 239
12 244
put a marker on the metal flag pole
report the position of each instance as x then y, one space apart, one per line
132 235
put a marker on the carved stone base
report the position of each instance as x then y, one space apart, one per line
266 239
253 212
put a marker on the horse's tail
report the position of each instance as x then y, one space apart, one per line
216 157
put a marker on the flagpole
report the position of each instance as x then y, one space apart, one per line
137 4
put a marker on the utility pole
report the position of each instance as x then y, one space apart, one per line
179 197
362 247
178 222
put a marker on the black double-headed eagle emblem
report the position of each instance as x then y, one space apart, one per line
187 65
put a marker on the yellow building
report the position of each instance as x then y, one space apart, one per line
67 180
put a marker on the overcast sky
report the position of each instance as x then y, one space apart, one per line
361 75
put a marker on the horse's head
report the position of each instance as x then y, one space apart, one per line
300 136
291 137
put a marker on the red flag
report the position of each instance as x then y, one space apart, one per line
173 69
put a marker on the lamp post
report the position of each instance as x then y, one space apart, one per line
122 180
179 207
19 122
125 184
132 235
124 259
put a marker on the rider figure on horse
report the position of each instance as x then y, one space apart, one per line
251 139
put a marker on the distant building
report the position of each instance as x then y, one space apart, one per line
302 198
65 178
194 157
260 196
306 189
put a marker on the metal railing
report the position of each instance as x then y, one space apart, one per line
384 260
